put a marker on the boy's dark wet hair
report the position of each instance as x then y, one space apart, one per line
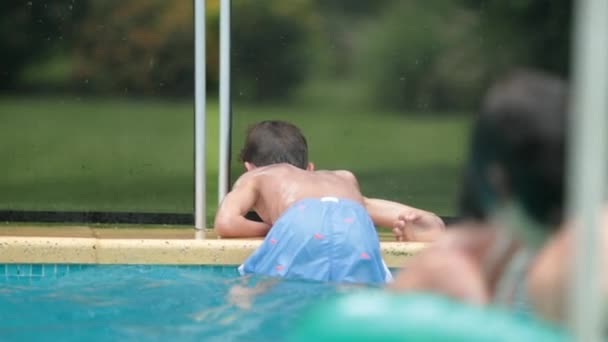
273 142
521 130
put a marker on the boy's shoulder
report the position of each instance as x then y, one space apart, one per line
345 174
274 170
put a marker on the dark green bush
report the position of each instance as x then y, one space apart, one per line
422 56
30 31
271 45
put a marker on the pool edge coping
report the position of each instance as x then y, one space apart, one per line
89 250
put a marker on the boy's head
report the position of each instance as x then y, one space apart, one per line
518 149
273 142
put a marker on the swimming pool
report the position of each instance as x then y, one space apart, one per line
145 285
91 283
78 302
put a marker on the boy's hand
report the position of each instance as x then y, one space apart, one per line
414 226
403 224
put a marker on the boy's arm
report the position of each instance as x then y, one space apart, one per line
408 223
230 218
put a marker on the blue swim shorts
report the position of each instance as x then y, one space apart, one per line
324 239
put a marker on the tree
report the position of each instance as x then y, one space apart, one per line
141 47
147 47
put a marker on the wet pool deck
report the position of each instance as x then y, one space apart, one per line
83 245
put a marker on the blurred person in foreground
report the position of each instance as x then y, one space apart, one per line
512 249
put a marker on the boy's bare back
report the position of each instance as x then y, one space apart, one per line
278 186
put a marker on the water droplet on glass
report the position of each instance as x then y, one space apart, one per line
86 81
70 7
29 3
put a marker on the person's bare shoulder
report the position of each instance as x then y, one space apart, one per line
247 179
344 174
472 238
446 270
264 176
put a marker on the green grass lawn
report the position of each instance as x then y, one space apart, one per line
129 155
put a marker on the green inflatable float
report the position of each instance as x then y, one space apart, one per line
376 315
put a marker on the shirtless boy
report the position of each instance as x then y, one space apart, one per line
317 224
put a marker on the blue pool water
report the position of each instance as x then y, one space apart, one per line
147 303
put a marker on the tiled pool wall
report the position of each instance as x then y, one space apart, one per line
39 270
32 270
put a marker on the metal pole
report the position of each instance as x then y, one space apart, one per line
200 97
588 164
224 158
